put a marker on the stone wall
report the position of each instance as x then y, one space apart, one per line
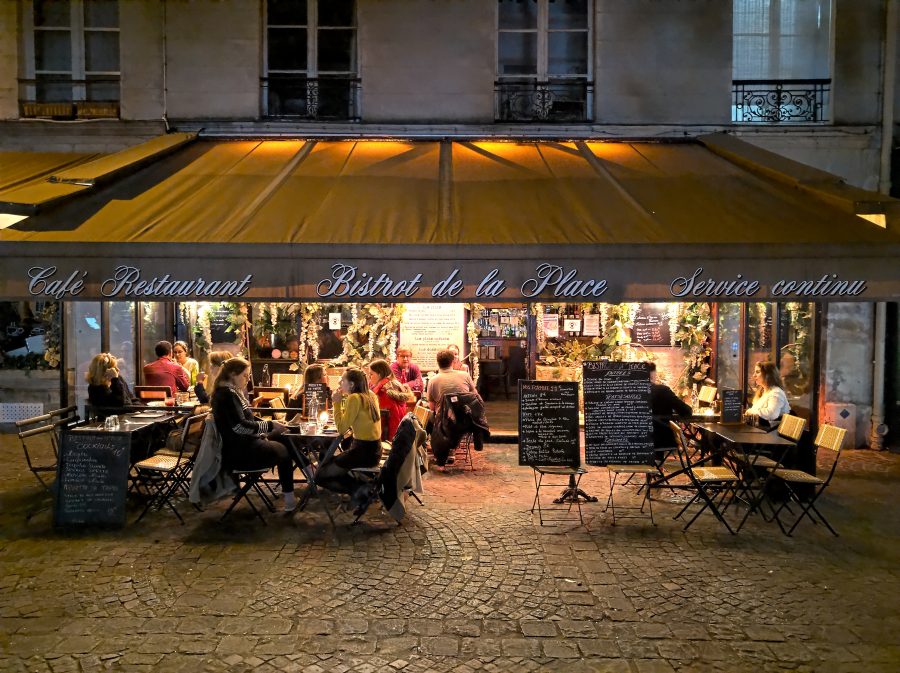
846 367
28 386
142 59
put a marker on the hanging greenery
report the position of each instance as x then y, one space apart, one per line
196 316
309 332
472 333
277 318
694 336
616 322
372 333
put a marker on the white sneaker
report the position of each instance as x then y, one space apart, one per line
290 502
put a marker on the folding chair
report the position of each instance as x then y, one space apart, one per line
152 393
573 477
790 427
48 427
268 393
712 484
831 438
630 470
248 480
162 475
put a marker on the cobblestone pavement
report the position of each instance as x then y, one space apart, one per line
469 582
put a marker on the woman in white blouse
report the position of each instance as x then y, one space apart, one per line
769 403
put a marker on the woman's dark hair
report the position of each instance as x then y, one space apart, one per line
314 374
770 375
360 384
382 368
230 369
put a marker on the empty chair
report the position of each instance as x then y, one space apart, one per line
831 439
152 393
40 433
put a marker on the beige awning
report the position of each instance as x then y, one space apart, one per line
636 214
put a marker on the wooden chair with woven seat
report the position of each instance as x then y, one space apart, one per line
149 394
573 480
714 484
163 474
830 438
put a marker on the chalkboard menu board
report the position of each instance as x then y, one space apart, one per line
219 321
651 325
548 423
317 392
92 479
617 416
731 405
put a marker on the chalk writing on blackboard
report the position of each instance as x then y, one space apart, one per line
617 416
92 479
548 423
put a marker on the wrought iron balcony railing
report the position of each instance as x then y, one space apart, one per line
58 97
559 100
323 98
786 101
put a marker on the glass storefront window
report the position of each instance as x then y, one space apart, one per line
796 327
760 339
83 333
153 323
122 338
728 346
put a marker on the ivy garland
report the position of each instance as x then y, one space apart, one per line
616 322
276 318
309 332
472 333
372 333
694 336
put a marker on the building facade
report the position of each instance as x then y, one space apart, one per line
816 81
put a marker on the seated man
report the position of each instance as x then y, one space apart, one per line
664 405
448 380
164 371
407 371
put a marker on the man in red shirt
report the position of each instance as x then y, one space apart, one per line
164 371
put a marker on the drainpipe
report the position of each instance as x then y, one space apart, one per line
879 429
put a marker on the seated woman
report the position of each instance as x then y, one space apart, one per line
458 365
107 391
769 403
314 374
249 442
392 395
216 360
355 409
190 365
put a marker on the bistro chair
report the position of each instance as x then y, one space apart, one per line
249 480
715 486
162 475
831 438
268 393
35 432
152 393
573 477
707 395
278 403
631 470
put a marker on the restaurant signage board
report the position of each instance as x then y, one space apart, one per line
731 406
617 416
651 325
315 392
548 423
92 478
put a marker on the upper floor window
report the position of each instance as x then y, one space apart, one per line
71 58
543 60
310 59
782 61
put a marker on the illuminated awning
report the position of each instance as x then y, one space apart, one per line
300 217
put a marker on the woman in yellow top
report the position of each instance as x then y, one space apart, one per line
355 409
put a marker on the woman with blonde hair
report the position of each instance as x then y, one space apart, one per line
107 390
216 360
769 402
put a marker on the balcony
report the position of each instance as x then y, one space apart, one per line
65 98
554 101
787 101
298 97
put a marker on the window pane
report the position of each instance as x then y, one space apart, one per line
518 14
568 14
53 50
121 338
336 50
568 53
518 54
795 363
101 13
728 348
82 344
287 95
103 89
287 12
50 89
336 12
153 321
287 49
51 13
101 51
760 339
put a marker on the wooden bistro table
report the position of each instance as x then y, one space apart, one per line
94 466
